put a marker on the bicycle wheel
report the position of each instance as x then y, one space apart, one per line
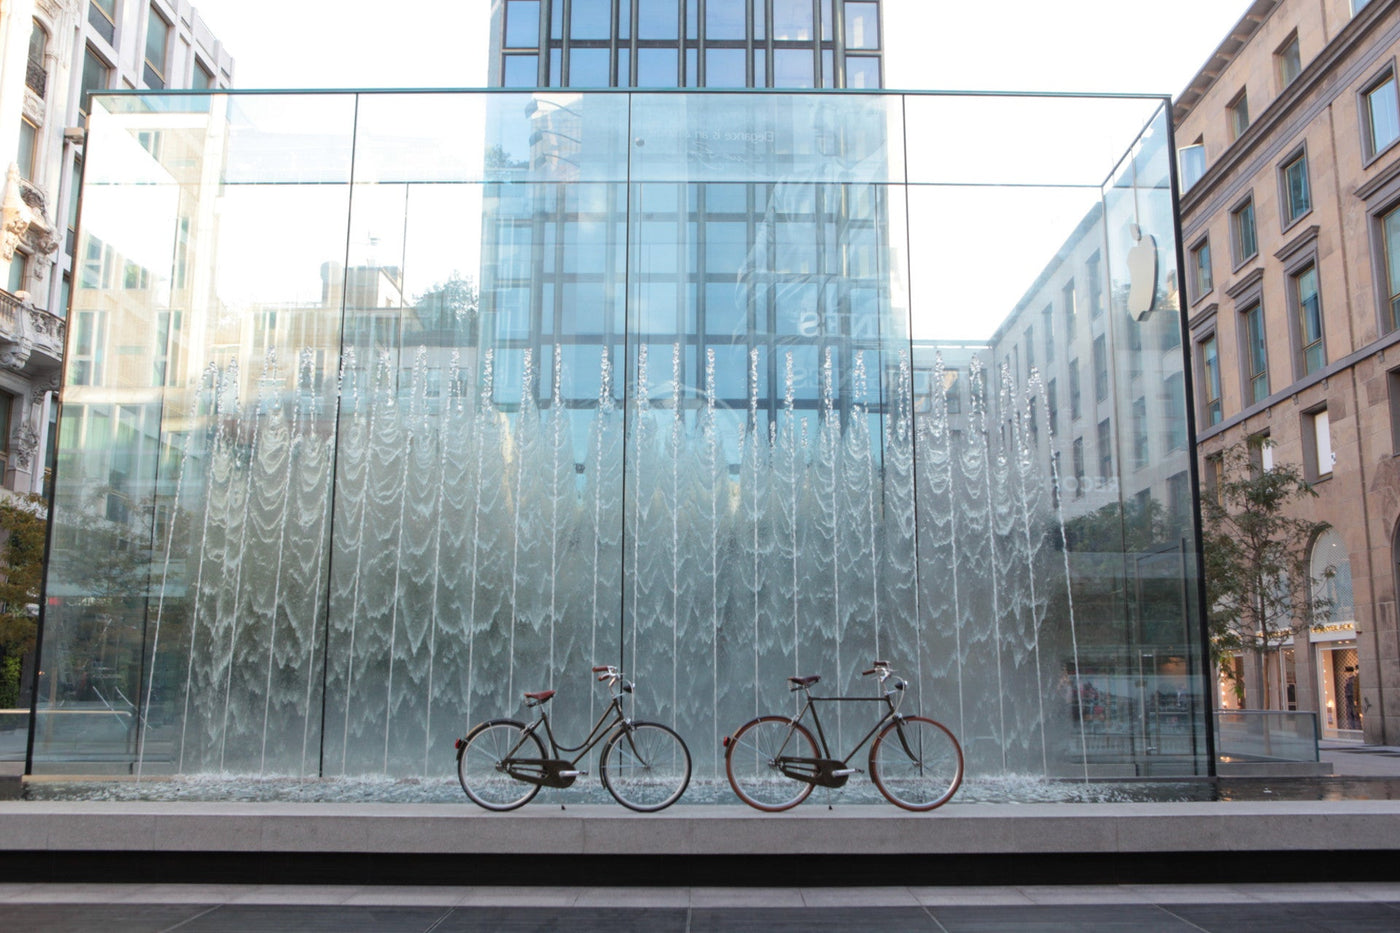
645 767
751 761
916 763
479 764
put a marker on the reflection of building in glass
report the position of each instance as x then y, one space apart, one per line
683 426
1293 270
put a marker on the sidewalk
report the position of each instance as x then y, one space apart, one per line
1350 760
1095 909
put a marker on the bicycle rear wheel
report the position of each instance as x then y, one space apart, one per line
751 761
916 763
480 768
645 766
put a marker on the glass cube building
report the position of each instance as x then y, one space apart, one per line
382 408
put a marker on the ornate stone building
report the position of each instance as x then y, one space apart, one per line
1289 143
53 53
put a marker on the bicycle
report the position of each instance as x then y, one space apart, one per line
773 763
501 763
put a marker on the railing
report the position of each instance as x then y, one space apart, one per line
1266 735
10 310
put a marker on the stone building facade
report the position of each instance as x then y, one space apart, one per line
1289 151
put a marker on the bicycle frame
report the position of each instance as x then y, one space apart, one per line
557 771
891 712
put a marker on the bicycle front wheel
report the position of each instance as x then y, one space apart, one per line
481 764
751 761
916 763
645 766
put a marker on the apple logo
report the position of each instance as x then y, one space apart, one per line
1142 274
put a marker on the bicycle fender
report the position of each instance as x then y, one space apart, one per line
485 724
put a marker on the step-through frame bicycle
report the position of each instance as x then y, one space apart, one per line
773 762
501 763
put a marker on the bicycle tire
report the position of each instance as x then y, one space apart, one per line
479 759
925 779
645 766
750 762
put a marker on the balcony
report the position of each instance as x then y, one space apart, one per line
31 340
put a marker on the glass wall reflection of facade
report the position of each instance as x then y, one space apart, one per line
384 408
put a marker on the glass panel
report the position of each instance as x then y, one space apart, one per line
1299 197
521 71
862 25
862 71
792 20
157 39
1383 108
1309 319
590 19
522 24
724 19
793 68
725 68
657 68
658 19
589 67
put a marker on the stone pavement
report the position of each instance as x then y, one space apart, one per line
1350 760
1222 908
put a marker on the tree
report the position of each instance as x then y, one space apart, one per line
22 527
1258 581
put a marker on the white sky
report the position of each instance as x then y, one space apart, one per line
1065 45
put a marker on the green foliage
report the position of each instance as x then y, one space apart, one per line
10 668
1258 580
22 528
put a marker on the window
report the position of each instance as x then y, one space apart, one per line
102 15
1214 471
1077 456
1052 403
36 73
1254 354
1242 234
7 404
1100 368
28 143
14 280
1070 311
1174 388
521 71
522 24
863 71
658 19
1237 113
1030 350
201 79
157 43
793 68
1297 194
1191 161
1330 568
1288 62
1140 443
1381 108
1074 397
1307 310
88 348
588 67
862 25
724 19
1201 280
1392 383
725 68
1209 361
96 74
1261 452
1390 232
1105 450
1091 272
1047 330
657 68
792 20
1318 457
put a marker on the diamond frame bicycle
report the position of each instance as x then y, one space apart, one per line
774 762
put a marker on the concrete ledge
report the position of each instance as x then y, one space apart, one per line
383 843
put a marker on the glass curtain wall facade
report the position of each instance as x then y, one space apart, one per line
686 43
383 408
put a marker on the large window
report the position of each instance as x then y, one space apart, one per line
1307 309
1254 354
1100 368
1297 193
36 74
1243 238
1071 311
1237 115
1192 163
1390 236
1209 356
14 278
1330 568
522 24
1288 61
1075 401
28 143
1318 457
862 25
1381 109
96 74
1105 432
102 15
157 49
1201 279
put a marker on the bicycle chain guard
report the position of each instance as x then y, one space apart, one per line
546 772
824 772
